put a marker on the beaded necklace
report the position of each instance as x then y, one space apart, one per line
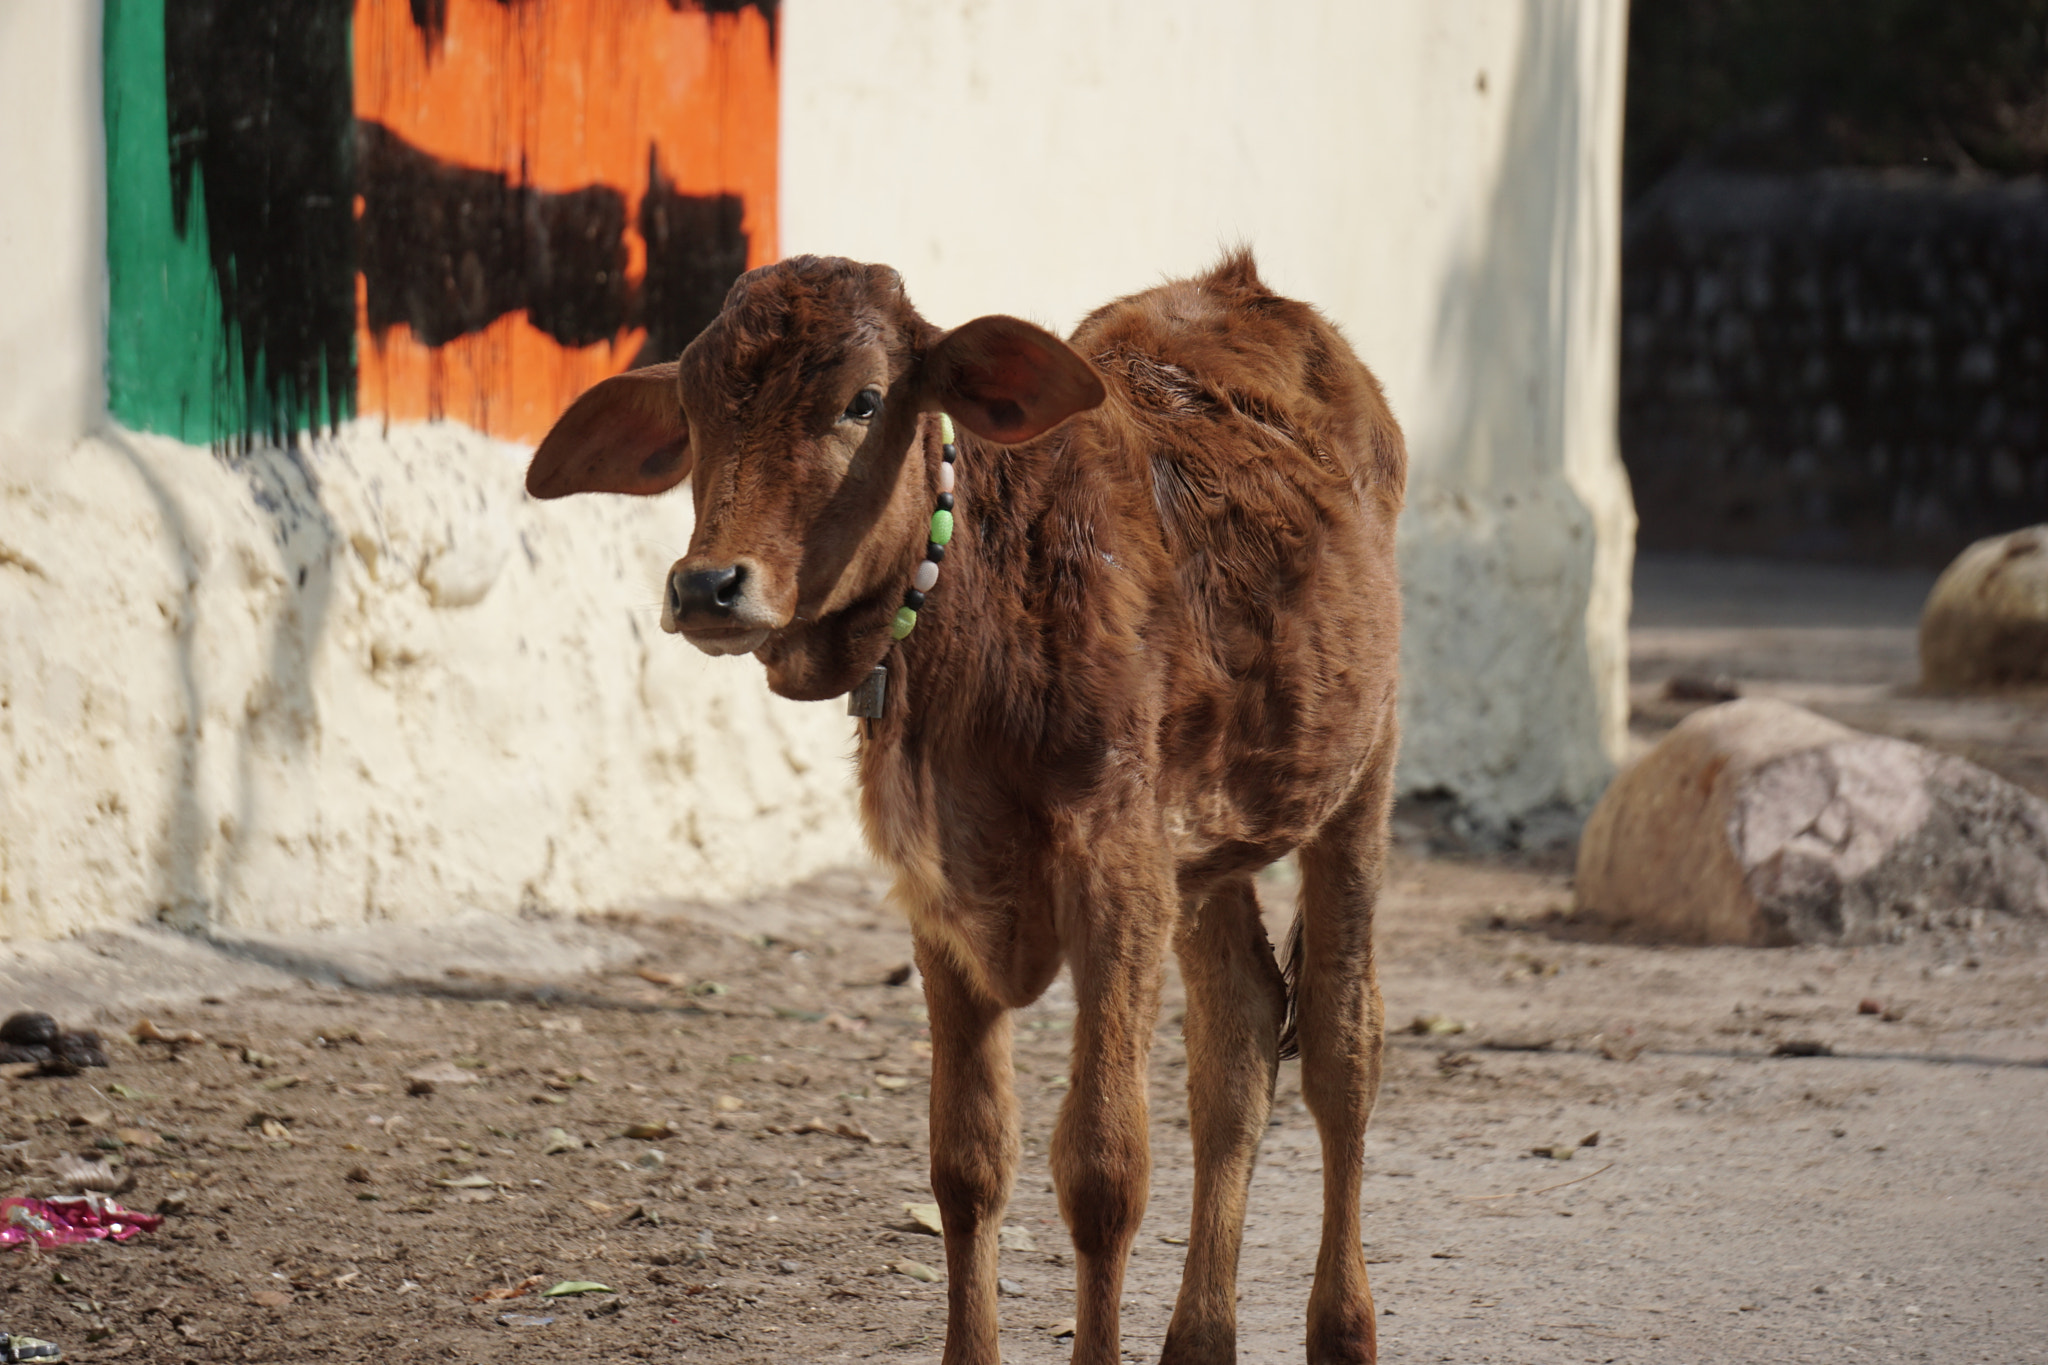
866 700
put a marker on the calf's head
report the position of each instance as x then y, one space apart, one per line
796 416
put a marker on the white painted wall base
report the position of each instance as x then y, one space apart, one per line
368 682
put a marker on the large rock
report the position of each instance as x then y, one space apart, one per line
1986 622
1757 822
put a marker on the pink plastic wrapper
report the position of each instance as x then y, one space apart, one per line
70 1218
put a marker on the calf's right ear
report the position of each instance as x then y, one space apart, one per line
624 435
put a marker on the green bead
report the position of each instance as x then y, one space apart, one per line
942 528
905 622
945 429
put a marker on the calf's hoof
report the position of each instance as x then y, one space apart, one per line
1348 1338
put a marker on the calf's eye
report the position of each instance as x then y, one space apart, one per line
865 405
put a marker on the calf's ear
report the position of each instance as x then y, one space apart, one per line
624 435
1006 380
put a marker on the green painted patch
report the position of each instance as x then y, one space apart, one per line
184 358
168 366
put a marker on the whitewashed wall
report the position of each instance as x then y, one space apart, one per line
52 231
467 707
1442 178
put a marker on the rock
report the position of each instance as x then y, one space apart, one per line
1986 622
32 1028
1756 822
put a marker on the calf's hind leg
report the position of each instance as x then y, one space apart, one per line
1236 1003
1340 1023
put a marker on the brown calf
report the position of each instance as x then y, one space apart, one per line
1159 654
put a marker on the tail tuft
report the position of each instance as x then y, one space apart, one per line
1290 972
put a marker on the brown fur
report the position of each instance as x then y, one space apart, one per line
1161 654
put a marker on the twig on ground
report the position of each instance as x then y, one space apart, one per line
1513 1194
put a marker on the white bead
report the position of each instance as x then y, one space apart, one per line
927 574
945 478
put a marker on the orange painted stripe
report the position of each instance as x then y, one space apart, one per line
559 95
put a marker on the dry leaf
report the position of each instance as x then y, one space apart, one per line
649 1132
916 1270
846 1130
147 1032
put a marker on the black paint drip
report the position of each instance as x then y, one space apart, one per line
695 250
259 95
430 17
448 249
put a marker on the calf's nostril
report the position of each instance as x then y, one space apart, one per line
705 592
728 591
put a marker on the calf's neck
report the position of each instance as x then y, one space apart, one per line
1137 621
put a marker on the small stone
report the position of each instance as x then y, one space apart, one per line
1015 1239
789 1267
1802 1047
1010 1288
926 1217
31 1028
270 1298
653 1159
556 1140
916 1270
1986 622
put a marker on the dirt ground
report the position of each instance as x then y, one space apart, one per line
1883 1202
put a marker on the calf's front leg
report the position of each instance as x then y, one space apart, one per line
1102 1147
974 1146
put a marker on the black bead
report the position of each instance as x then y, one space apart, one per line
912 598
945 502
949 453
935 553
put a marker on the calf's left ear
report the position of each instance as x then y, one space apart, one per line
624 435
1006 380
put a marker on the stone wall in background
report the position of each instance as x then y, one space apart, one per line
1841 366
